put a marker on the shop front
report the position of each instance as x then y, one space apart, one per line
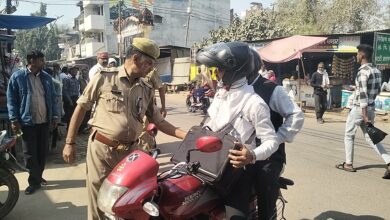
338 52
339 55
382 61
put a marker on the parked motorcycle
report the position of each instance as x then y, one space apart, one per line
9 186
134 190
199 98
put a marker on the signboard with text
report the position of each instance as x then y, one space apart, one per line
335 44
382 49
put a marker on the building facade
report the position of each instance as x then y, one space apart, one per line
95 30
169 22
184 22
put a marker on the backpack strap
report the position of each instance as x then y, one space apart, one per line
251 138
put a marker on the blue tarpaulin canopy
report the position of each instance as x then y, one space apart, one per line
23 22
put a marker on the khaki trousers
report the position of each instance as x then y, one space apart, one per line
101 159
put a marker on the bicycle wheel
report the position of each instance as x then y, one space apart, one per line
9 192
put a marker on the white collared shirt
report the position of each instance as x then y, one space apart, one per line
284 104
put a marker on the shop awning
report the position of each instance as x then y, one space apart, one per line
286 49
23 22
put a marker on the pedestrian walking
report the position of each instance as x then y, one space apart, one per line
58 100
362 114
32 110
70 93
83 82
122 100
320 82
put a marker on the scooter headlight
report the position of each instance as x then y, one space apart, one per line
151 208
108 194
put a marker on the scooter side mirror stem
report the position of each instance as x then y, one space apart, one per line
188 157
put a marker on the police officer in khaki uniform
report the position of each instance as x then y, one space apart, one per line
122 100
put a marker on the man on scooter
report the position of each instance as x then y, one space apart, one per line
287 119
237 104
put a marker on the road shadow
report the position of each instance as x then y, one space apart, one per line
64 184
334 121
371 166
335 215
167 151
58 211
168 148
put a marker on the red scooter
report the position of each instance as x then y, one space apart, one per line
134 190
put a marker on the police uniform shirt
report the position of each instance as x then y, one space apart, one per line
121 104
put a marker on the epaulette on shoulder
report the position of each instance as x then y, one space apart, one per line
108 70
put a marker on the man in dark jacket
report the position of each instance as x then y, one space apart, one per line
320 82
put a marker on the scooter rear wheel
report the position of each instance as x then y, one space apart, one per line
9 192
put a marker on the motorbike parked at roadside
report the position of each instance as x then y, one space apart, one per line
9 186
135 190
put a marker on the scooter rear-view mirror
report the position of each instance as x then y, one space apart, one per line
152 129
208 144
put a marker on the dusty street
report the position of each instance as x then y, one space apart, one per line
320 192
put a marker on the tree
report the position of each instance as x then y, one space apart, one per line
300 16
348 16
304 17
43 39
258 23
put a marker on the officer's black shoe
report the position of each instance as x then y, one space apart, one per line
43 182
31 189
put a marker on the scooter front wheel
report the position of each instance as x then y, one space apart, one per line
10 187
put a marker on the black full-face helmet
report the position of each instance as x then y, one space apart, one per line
256 62
234 58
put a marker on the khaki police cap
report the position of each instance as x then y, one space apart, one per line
147 47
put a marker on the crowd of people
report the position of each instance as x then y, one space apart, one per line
39 98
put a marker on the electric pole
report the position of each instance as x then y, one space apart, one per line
189 11
8 7
120 31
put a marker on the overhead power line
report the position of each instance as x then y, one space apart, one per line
160 10
36 2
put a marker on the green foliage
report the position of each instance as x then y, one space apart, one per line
303 17
257 24
42 39
357 15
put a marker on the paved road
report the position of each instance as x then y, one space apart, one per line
321 192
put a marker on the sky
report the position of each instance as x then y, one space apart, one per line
69 10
